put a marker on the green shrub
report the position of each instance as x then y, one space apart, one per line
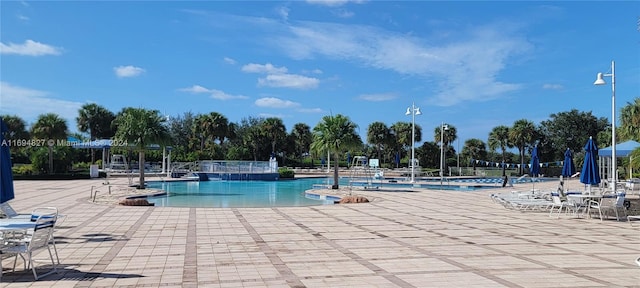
286 173
22 169
61 160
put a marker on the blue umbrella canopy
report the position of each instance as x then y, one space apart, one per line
590 174
568 168
535 162
6 176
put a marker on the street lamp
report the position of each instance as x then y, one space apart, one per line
413 111
600 81
443 127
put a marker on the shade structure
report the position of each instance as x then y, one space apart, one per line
6 176
535 162
590 175
568 168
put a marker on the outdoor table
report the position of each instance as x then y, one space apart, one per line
17 225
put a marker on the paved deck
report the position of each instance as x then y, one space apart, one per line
425 238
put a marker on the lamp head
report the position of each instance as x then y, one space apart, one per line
599 80
446 127
408 111
418 111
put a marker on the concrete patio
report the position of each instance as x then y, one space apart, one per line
425 238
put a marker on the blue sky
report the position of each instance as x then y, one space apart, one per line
475 65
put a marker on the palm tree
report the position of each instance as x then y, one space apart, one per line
522 135
630 124
273 129
141 127
96 120
450 134
474 149
402 133
17 127
50 127
302 136
218 126
336 134
378 135
499 138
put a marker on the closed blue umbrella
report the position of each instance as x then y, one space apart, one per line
6 181
590 175
535 165
568 168
535 162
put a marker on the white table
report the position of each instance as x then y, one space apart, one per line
9 225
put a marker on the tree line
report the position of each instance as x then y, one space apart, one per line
212 136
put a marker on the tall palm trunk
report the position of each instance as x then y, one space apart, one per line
141 169
50 159
335 173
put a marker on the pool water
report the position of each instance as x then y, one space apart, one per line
237 194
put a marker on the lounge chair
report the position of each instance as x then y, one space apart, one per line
9 212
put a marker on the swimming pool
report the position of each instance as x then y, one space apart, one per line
236 194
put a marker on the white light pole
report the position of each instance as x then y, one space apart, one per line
458 152
413 111
600 81
443 127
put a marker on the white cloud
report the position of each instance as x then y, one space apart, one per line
465 64
289 81
229 60
128 71
377 97
29 48
213 93
310 110
272 102
266 68
283 12
30 103
552 86
269 115
22 17
334 3
195 89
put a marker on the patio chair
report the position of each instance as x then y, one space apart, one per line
9 212
38 240
4 255
562 204
608 203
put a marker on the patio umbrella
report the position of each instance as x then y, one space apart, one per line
6 176
590 175
535 165
568 168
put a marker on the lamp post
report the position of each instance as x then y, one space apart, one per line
600 81
413 111
443 127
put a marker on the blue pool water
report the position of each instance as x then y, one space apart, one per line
235 194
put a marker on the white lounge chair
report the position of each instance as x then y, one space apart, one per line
9 212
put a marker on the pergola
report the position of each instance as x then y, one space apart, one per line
623 150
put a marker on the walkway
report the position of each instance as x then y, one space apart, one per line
424 238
